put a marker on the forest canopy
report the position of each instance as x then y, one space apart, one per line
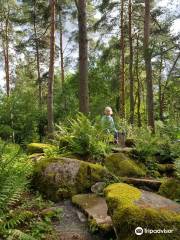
128 59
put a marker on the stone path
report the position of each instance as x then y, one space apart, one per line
73 225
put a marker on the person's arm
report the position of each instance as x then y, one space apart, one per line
113 125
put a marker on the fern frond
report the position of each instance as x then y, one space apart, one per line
17 234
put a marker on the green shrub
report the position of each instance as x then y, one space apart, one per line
83 138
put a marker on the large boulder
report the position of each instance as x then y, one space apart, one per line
122 166
133 210
63 177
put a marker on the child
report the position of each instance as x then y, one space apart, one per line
108 123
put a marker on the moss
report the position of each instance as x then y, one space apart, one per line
126 215
170 188
122 166
38 147
89 174
59 178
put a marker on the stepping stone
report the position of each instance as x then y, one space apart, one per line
95 208
122 149
143 183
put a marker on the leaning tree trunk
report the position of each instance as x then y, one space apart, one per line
51 70
148 67
131 64
122 64
83 57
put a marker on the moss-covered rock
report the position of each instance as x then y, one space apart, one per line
130 208
38 147
63 177
168 169
121 165
170 188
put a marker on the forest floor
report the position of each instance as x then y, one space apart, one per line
74 224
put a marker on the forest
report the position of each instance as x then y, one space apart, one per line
89 119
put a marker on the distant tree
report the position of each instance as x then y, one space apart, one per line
83 57
148 66
122 63
51 69
6 20
131 79
60 11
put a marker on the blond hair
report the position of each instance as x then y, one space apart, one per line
108 109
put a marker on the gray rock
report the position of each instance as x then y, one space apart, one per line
98 187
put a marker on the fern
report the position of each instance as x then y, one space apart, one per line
17 234
15 218
83 138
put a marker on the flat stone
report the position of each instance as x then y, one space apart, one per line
95 208
122 149
144 183
153 200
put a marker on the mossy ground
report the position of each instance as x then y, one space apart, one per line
121 165
126 215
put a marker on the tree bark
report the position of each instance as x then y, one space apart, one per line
122 64
148 67
131 64
160 89
61 45
138 84
6 54
51 71
83 57
37 58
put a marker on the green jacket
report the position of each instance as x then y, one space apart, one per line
108 124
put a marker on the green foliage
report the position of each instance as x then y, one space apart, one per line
14 173
14 170
83 138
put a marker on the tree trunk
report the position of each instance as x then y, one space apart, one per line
83 57
148 67
37 58
6 53
51 71
122 73
61 45
138 84
160 89
131 65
